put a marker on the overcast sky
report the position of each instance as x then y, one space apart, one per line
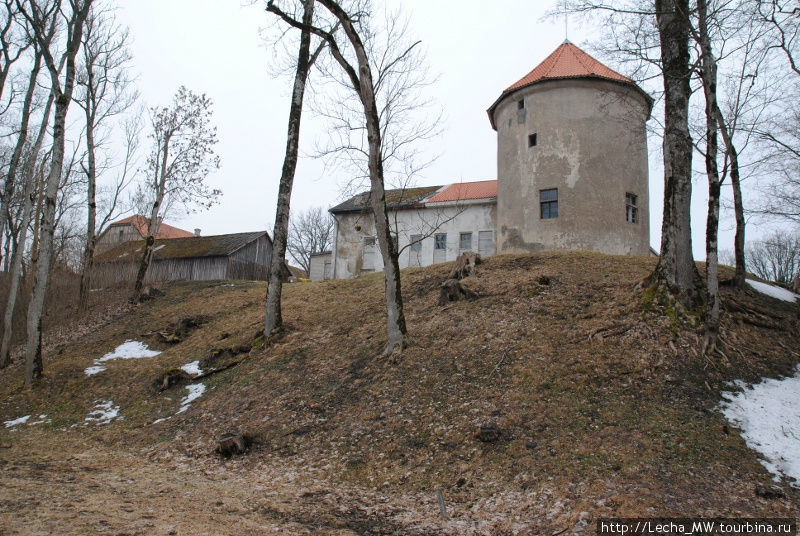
214 46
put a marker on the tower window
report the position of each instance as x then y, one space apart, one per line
548 201
369 241
521 104
440 241
532 140
631 209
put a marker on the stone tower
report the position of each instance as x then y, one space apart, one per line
572 159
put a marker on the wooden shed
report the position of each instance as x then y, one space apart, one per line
197 258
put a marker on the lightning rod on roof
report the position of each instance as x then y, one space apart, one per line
566 23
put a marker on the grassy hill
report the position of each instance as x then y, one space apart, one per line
594 401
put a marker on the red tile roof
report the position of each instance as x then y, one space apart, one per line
140 223
464 191
567 61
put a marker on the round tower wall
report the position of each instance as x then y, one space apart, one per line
591 146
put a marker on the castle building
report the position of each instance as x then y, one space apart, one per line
572 174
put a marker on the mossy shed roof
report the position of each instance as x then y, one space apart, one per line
395 199
179 248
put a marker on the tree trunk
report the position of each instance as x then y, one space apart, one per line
154 224
676 272
33 349
273 320
738 205
91 206
29 198
738 208
709 80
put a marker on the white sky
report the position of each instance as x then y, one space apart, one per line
213 46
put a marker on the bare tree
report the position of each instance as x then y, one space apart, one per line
38 16
29 197
310 231
22 134
784 19
359 72
776 258
103 91
12 43
13 46
181 157
273 319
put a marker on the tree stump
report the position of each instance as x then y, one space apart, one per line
172 378
232 444
452 290
148 293
465 265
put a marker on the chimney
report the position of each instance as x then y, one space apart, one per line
197 232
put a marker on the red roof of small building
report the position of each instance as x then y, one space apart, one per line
140 223
464 191
567 61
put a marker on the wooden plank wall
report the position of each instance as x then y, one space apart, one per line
252 261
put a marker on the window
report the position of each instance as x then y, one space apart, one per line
532 140
369 241
521 104
631 209
416 242
121 234
548 199
440 241
465 241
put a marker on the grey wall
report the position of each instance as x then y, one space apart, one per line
252 261
591 145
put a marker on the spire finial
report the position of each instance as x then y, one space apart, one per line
566 23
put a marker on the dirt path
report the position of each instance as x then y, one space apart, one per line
96 491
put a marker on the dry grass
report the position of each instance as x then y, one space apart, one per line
604 403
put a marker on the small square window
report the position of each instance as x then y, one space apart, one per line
465 241
548 201
631 209
532 140
521 104
440 241
416 242
369 241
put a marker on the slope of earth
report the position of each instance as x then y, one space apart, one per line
562 394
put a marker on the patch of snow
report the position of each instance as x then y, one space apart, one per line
161 420
14 422
195 391
768 415
192 368
127 350
42 420
103 413
771 290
